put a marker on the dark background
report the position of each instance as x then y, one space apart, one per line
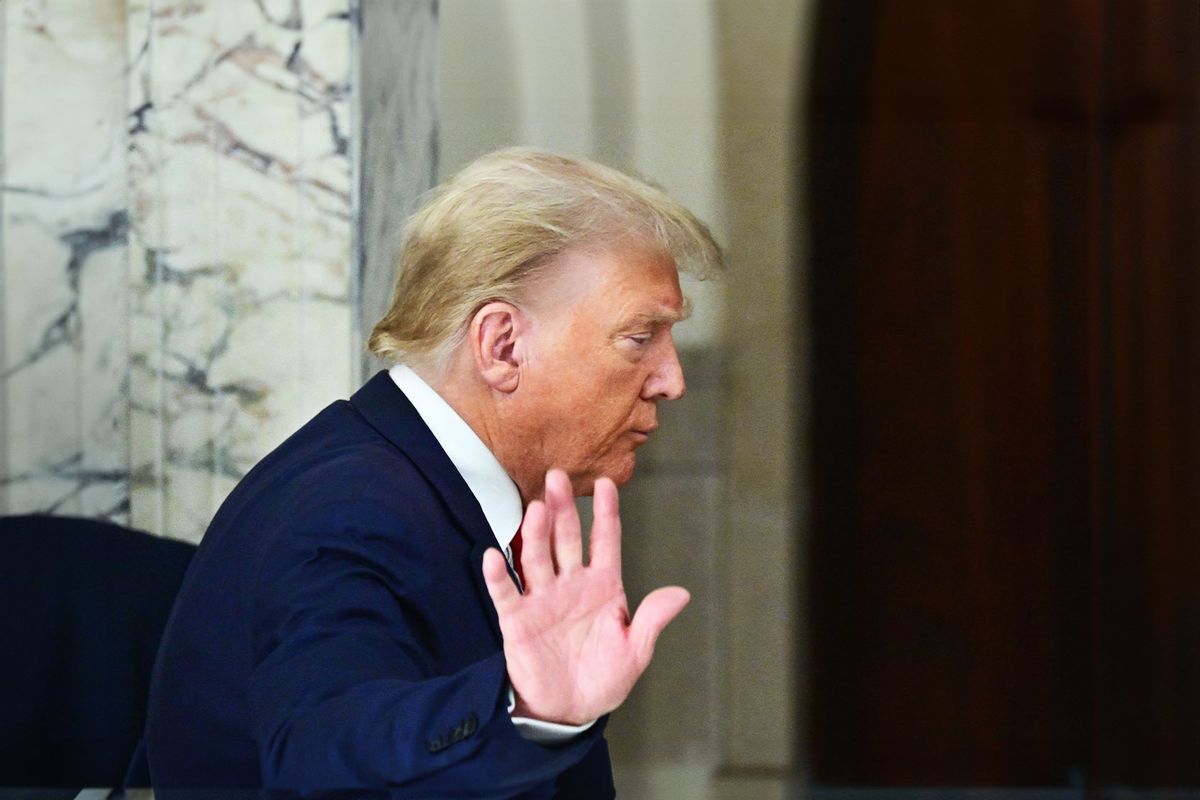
1005 550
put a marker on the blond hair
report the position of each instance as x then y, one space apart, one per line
484 234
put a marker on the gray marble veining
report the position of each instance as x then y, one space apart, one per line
64 232
241 214
186 262
399 156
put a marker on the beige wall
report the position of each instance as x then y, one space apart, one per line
699 96
632 82
763 60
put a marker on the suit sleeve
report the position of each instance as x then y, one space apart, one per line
344 693
590 779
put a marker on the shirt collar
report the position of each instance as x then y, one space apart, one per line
487 480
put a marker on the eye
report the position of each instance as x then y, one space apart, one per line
640 338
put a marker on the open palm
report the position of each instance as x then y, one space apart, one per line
572 651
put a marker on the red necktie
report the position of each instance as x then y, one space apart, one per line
515 548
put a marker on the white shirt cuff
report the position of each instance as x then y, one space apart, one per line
541 732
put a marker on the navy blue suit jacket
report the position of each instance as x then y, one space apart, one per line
334 630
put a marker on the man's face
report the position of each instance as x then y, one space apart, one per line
600 356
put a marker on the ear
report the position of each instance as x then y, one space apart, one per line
494 333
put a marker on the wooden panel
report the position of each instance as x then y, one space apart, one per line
1004 206
1150 624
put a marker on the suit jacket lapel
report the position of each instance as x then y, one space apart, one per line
389 412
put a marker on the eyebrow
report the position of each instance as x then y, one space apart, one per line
662 318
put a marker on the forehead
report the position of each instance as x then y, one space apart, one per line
620 281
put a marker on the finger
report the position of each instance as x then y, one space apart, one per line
499 585
606 527
566 535
656 611
536 565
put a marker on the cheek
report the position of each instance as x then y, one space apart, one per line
607 421
582 385
588 397
577 396
586 417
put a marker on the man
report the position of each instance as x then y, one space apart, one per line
349 620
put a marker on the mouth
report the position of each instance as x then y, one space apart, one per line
642 435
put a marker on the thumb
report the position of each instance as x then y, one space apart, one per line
655 613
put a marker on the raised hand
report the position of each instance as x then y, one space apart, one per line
572 652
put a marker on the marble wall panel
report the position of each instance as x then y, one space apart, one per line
188 271
241 223
399 154
63 229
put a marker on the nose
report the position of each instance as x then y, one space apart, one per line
666 381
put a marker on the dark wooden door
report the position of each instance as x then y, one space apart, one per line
1004 549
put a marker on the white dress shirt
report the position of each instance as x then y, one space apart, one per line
497 496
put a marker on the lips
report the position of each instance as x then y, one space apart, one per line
643 434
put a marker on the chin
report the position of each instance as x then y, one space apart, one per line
585 486
622 473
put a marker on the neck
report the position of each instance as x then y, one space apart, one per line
488 413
